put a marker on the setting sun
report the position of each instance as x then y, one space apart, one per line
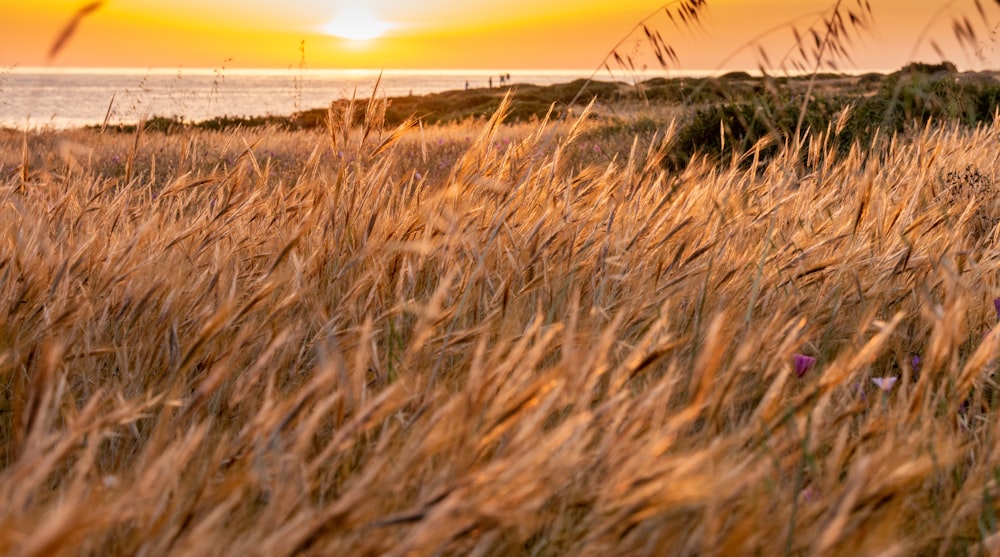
357 24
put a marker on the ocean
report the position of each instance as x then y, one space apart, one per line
64 98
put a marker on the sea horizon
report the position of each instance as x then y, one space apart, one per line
266 70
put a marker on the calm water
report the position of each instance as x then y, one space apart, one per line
62 98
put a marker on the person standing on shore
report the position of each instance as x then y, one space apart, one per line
491 82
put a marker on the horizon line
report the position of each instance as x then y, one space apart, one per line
677 72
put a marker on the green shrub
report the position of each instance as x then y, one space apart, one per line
912 97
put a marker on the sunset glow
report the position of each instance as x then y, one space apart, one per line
501 34
357 24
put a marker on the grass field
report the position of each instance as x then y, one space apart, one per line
497 339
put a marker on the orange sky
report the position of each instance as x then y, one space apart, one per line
512 34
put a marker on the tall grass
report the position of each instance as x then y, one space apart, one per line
535 353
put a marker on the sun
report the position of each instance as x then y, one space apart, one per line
357 24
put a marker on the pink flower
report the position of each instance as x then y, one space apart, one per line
808 494
803 364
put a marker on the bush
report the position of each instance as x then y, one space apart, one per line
745 123
919 94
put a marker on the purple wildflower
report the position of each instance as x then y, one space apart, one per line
996 306
860 388
915 363
803 363
885 383
808 494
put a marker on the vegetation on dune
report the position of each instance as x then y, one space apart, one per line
859 109
224 341
760 113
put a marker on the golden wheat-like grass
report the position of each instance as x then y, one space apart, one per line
277 343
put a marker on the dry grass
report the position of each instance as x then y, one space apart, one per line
267 344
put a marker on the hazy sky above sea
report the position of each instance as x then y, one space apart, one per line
511 34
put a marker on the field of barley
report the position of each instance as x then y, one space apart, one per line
494 339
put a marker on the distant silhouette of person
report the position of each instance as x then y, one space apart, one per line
466 84
491 82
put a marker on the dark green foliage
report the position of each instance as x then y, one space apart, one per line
912 97
230 122
530 102
170 125
968 99
697 91
767 119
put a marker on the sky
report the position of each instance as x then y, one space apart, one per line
466 34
